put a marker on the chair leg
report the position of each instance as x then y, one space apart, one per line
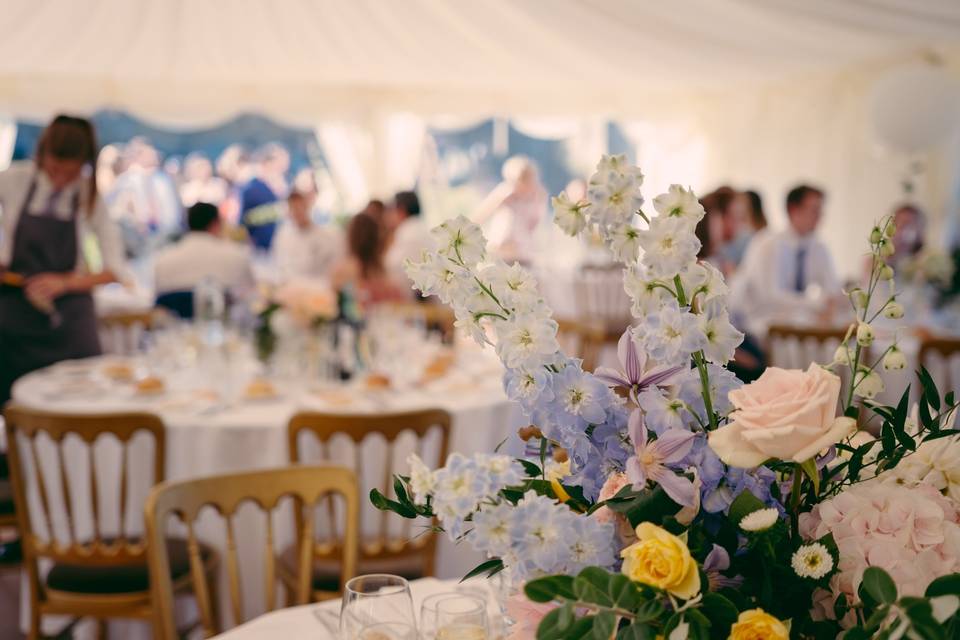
101 628
34 632
214 588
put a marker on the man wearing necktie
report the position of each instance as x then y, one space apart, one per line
779 267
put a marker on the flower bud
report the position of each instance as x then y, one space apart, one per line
859 298
894 360
886 248
893 310
864 335
876 235
890 228
841 355
885 272
528 432
868 384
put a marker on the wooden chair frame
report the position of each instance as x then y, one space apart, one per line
306 485
592 337
26 423
357 427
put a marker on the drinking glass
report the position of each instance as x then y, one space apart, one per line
454 616
388 631
375 599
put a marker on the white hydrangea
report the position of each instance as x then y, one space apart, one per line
461 240
569 215
526 340
624 242
722 338
614 191
759 520
422 480
646 293
812 561
671 334
936 463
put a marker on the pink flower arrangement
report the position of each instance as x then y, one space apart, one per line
912 533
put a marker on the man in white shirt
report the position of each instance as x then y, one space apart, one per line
411 236
786 275
302 248
202 254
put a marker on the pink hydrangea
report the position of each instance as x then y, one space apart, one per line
912 533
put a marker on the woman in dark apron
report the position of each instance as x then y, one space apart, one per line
46 308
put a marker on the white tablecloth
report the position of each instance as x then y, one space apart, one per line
253 435
319 621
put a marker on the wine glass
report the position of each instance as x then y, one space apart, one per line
388 631
375 599
454 616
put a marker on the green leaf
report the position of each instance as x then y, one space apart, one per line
721 612
742 506
548 629
603 626
593 585
944 585
383 503
580 629
550 588
649 611
644 506
532 469
488 568
809 468
565 619
623 592
929 387
857 633
636 631
879 585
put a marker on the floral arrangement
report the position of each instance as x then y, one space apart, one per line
295 307
665 498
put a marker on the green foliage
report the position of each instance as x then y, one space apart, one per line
649 505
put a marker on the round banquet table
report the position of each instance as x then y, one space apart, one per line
206 437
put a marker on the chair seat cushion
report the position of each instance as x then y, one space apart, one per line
326 572
128 578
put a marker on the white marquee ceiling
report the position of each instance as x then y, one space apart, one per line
193 60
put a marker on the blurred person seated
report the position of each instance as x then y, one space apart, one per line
788 274
757 218
144 198
721 222
909 238
202 253
362 270
512 212
199 184
260 198
736 229
410 238
302 248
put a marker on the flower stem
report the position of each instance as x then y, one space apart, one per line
795 501
700 363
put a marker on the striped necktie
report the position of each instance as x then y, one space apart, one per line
800 280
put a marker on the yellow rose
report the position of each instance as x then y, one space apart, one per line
757 624
662 560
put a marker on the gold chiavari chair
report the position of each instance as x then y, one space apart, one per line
405 552
98 570
120 333
794 347
602 298
307 486
941 357
584 340
436 317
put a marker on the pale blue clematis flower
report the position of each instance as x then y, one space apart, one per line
652 460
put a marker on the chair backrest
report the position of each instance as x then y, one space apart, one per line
60 509
601 296
941 358
306 486
179 303
434 316
121 333
792 347
582 339
426 433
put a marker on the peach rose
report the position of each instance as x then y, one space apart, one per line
786 414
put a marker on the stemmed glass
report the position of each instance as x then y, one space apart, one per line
388 631
454 616
376 599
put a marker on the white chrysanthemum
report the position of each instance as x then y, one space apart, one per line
812 561
569 215
760 520
678 202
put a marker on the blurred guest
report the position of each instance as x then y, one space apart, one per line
378 210
234 168
908 240
260 198
411 236
50 206
513 210
201 254
716 229
733 208
758 219
362 268
145 197
789 271
303 248
199 184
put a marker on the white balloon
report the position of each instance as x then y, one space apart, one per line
915 107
